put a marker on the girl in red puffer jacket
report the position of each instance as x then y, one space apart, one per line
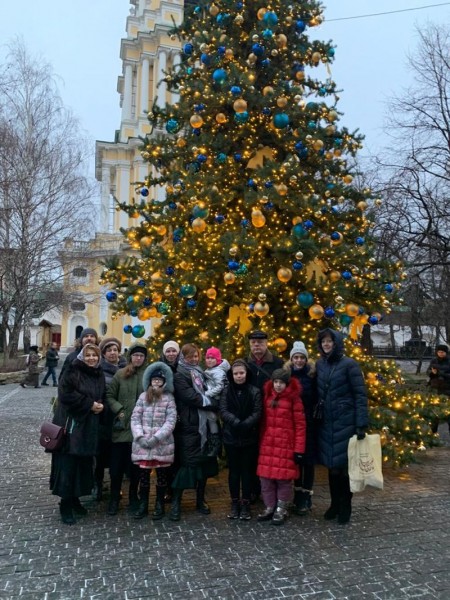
282 444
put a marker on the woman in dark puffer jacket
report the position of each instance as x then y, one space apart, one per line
343 410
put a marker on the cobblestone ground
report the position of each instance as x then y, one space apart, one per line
397 545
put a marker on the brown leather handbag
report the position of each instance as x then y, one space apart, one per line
52 436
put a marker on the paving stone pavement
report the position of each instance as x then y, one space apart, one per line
397 545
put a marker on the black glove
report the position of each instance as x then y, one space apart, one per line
360 433
299 458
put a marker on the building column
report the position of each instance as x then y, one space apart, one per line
161 89
145 77
127 93
176 62
105 209
123 194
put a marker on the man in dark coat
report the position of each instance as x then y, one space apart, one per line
261 362
343 409
51 362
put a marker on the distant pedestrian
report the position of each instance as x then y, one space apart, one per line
240 410
32 379
51 362
342 411
439 377
152 424
282 444
305 372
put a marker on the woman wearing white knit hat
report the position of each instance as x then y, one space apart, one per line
305 373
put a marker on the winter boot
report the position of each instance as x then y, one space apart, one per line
302 501
142 509
159 510
133 500
246 514
65 509
175 509
281 513
78 508
267 514
334 485
202 507
345 502
234 510
97 492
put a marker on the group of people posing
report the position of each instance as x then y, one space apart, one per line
275 421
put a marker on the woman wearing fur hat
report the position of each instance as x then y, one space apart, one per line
87 336
281 445
80 405
152 424
121 395
302 370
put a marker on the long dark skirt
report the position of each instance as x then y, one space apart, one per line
71 476
187 478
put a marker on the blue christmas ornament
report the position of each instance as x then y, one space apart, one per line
270 18
219 219
251 307
206 59
281 120
188 290
308 224
199 107
163 307
389 288
138 331
245 223
299 231
258 49
251 184
297 265
188 49
147 302
191 303
265 63
305 299
331 52
196 131
268 184
189 70
345 320
127 328
233 265
130 300
359 241
266 111
201 158
237 157
221 157
144 192
200 211
220 76
235 90
111 296
170 271
141 283
267 34
221 50
335 236
173 126
173 205
300 26
347 275
133 312
241 117
242 270
373 320
312 125
268 206
222 18
312 106
329 312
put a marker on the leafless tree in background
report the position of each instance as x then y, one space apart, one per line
45 194
414 178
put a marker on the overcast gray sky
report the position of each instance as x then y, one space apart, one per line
82 40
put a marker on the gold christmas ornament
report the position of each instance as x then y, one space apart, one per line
221 118
299 255
262 297
156 279
196 121
261 12
316 311
347 178
362 205
280 345
258 219
334 276
281 40
268 89
213 10
315 57
284 274
282 189
198 225
282 101
161 229
229 278
146 241
338 241
211 293
352 310
240 105
261 309
233 251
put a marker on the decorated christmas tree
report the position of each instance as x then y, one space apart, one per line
262 224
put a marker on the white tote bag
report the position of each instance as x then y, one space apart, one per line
364 462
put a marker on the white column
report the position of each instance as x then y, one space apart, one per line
105 199
124 192
127 93
176 62
162 87
145 77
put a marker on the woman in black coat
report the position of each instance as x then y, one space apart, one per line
196 417
81 398
241 410
343 409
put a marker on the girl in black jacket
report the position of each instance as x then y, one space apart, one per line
240 409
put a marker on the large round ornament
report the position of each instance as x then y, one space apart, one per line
334 276
127 328
345 320
220 76
240 105
284 274
200 211
188 290
111 296
196 121
305 299
336 238
157 279
173 126
316 311
229 278
258 219
198 225
138 331
221 118
261 309
280 344
352 310
281 120
211 293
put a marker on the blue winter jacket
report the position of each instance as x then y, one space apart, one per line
341 388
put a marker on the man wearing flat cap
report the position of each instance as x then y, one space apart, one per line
261 362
